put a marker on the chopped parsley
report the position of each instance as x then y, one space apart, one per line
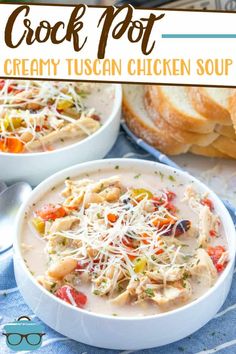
171 178
161 175
149 292
96 292
137 176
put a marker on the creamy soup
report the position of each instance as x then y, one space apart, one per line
124 243
37 116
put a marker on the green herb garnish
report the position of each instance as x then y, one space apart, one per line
149 292
171 178
137 176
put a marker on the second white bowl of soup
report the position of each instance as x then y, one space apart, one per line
46 126
133 253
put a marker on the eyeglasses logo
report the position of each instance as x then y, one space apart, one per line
23 334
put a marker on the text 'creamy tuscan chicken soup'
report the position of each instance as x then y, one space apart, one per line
38 116
124 243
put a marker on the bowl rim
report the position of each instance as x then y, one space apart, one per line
115 109
44 186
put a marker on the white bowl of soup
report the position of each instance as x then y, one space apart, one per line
46 126
124 254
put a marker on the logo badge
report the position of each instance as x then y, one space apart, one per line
23 334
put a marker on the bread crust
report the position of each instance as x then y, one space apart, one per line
162 104
227 131
169 139
226 146
232 109
208 151
182 136
207 107
153 136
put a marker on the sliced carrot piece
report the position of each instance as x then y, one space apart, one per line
145 238
3 146
51 212
14 145
112 217
131 257
161 222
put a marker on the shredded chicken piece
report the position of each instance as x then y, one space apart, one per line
80 129
175 294
203 268
207 222
121 299
63 224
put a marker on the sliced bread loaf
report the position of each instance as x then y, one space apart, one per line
208 151
232 109
212 103
226 146
174 105
227 131
183 136
140 123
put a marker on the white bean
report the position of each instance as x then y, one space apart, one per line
62 268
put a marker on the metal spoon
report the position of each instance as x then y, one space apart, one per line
10 200
3 186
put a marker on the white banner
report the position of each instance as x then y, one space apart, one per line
119 45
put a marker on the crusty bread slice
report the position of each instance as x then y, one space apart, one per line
173 104
208 151
227 131
139 122
232 109
212 103
182 136
226 146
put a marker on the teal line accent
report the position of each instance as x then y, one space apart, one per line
198 36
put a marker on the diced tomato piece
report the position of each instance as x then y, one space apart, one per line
2 84
208 203
170 196
112 217
212 233
158 201
38 128
81 266
51 212
160 251
171 208
215 253
10 89
128 242
71 296
220 267
96 117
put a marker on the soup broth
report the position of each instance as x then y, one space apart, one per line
132 243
